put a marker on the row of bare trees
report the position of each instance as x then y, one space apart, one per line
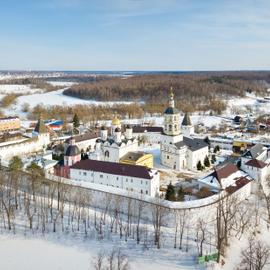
52 206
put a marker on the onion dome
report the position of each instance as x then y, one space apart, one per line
171 110
116 122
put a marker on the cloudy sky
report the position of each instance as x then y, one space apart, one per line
135 34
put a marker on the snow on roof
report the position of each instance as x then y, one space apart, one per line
227 173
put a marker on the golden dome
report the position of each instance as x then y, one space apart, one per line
116 122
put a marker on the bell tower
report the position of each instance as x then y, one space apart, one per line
171 118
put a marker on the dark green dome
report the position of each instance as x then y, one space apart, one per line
171 110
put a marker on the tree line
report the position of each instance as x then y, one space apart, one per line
188 87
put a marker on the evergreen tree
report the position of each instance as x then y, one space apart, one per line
206 161
199 166
213 159
170 193
76 121
207 140
36 170
216 149
15 164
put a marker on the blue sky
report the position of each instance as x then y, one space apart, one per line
135 34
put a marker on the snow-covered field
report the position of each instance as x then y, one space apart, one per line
18 89
55 252
61 83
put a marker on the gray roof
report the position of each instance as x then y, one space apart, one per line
192 144
254 151
72 150
186 121
171 110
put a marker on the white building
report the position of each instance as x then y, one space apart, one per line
222 177
85 142
177 151
131 178
256 163
116 145
39 141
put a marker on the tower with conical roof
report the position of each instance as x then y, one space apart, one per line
186 126
42 133
171 118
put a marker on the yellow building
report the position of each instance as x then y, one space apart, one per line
9 124
138 158
239 147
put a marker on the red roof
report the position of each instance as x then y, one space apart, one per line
240 182
113 168
225 171
256 163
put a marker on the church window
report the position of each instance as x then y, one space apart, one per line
84 173
175 127
141 191
101 175
168 157
146 192
107 154
170 127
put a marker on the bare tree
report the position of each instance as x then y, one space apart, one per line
256 256
201 229
158 220
98 261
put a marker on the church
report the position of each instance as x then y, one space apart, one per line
179 149
114 145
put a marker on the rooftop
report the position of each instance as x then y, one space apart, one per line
256 163
254 151
186 121
192 143
114 168
134 156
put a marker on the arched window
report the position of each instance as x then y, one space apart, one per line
170 127
175 127
107 154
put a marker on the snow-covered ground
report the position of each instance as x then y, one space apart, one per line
61 83
64 253
18 89
51 99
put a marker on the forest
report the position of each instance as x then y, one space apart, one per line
199 88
